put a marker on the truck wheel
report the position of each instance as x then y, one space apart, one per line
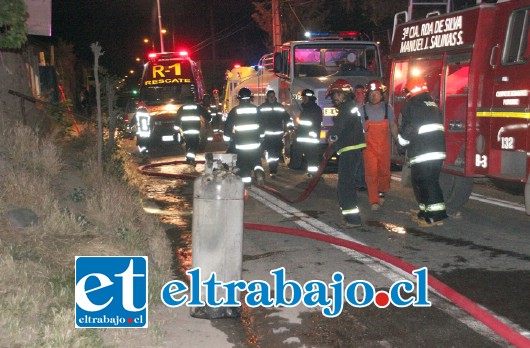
296 160
527 195
456 189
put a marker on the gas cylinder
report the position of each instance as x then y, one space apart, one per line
217 235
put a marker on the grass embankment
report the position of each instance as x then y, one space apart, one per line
82 210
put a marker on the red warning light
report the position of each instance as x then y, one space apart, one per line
183 53
237 65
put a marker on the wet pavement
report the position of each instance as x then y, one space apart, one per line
438 326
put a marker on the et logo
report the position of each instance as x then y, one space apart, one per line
111 291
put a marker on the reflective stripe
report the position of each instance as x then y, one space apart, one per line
273 132
190 155
353 147
436 207
422 207
265 109
190 118
246 127
290 124
355 110
427 128
351 211
272 159
312 169
226 138
246 179
431 156
279 109
191 131
190 107
307 140
402 141
312 134
176 127
259 168
246 111
248 146
305 123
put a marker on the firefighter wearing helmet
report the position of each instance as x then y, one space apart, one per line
217 115
347 139
242 130
308 131
379 124
422 133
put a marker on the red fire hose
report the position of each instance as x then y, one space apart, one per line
460 300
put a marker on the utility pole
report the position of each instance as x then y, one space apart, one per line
160 26
276 25
212 32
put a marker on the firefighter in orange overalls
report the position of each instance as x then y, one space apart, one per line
379 124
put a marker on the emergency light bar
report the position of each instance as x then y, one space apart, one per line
155 56
341 35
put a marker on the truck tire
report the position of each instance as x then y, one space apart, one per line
456 189
527 195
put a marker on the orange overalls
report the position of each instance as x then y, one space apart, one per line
377 158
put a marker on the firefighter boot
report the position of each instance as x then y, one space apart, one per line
353 220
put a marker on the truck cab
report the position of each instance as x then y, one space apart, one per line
315 63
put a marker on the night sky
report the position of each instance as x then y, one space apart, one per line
121 25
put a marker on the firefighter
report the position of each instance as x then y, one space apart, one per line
273 119
379 124
347 139
189 123
422 133
308 132
242 129
216 116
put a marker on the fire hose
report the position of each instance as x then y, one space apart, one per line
503 330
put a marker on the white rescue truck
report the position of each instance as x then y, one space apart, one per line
315 63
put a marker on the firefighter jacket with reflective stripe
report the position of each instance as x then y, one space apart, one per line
243 127
347 129
273 118
189 118
310 123
422 130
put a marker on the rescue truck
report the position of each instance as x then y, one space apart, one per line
169 79
315 63
476 63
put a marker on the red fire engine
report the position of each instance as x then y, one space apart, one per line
477 66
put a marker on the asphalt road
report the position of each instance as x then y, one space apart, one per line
482 252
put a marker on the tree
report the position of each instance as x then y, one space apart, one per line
13 33
296 16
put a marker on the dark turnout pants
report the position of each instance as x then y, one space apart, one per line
425 178
273 145
192 144
247 160
349 162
